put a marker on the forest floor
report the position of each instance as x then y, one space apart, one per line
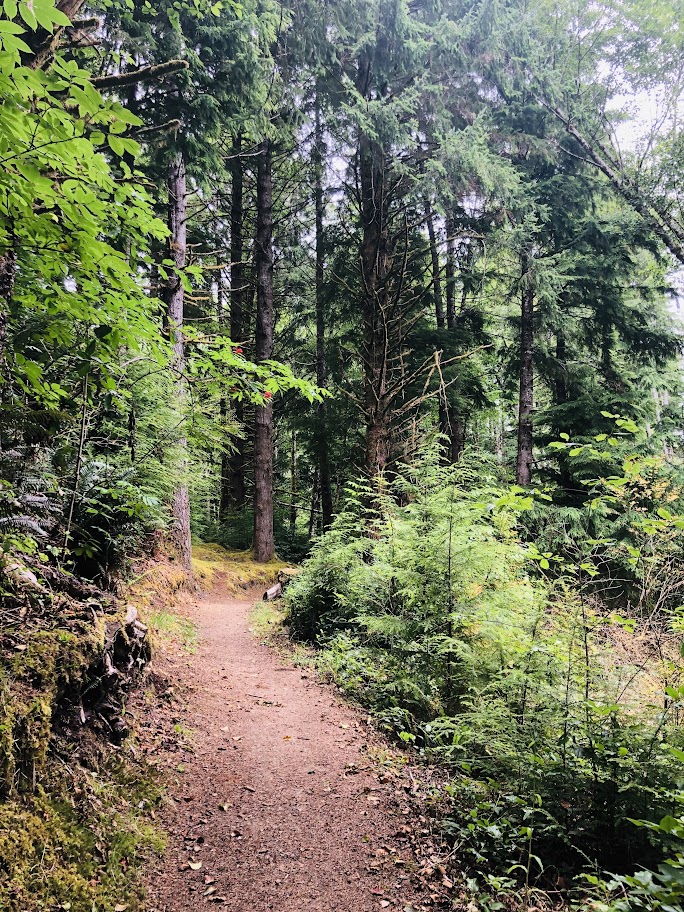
281 796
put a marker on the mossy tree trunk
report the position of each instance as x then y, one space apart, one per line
264 543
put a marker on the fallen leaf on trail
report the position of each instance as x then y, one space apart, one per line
287 738
209 891
249 788
195 865
384 903
209 880
225 805
120 907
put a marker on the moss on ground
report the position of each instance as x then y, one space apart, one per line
74 817
78 841
234 572
42 664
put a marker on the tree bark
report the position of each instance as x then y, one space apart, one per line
375 266
321 367
45 44
523 472
315 496
175 302
233 492
8 272
264 545
293 484
376 263
450 272
436 270
451 425
224 496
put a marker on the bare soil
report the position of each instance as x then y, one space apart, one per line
282 797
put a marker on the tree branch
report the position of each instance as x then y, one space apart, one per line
142 74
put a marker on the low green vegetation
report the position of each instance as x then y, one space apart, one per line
76 806
547 682
77 842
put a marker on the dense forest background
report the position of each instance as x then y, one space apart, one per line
392 284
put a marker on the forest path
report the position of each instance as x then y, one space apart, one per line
279 798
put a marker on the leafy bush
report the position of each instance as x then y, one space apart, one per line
432 610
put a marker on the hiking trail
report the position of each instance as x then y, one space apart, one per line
280 802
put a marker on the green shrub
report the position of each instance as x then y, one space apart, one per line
431 610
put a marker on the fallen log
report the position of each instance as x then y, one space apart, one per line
273 593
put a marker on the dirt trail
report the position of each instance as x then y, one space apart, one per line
309 822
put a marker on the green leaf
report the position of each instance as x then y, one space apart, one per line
10 28
116 144
27 15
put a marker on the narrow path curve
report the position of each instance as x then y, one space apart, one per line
279 799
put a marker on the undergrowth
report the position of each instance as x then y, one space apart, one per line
78 841
76 806
235 572
497 660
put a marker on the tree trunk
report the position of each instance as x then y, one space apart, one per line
224 493
293 484
321 367
450 271
8 271
264 545
523 473
44 44
560 389
375 265
451 425
376 262
561 385
436 271
315 493
233 468
177 187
